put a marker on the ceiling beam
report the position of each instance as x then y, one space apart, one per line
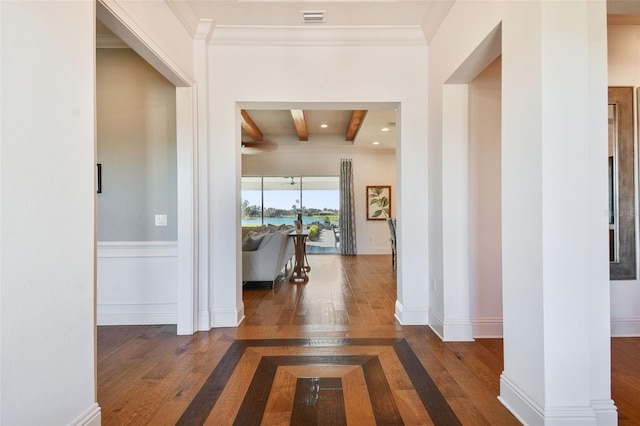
301 124
357 117
250 127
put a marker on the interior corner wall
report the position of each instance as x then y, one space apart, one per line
369 168
444 60
47 199
485 233
623 44
136 145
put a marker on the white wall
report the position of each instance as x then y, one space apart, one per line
136 142
624 70
305 71
485 233
368 169
47 197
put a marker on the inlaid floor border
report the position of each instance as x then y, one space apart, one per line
206 398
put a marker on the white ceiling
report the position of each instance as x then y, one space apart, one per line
424 14
287 13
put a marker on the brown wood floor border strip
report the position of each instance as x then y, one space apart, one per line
437 406
384 406
202 404
255 400
318 401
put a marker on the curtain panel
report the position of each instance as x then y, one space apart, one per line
347 209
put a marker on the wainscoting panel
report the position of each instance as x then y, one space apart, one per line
137 282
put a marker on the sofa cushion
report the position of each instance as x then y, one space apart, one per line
265 239
252 240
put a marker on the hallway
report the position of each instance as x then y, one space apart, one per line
325 352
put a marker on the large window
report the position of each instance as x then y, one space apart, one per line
279 200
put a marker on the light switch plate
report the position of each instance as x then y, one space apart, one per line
161 220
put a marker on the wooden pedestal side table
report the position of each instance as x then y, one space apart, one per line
301 267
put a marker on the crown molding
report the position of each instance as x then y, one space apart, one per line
436 13
110 41
185 15
204 30
229 35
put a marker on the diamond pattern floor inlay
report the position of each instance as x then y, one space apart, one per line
319 381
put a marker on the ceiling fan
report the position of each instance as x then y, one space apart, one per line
258 144
257 147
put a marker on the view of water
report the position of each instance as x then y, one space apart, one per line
281 220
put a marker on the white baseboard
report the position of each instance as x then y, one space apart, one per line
137 314
91 417
484 328
204 322
606 412
530 413
451 330
227 317
436 324
240 310
625 327
375 250
411 315
520 405
458 331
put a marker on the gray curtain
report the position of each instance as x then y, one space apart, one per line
347 209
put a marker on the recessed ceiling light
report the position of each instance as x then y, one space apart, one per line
324 126
376 143
385 129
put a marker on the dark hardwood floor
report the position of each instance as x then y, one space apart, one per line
325 352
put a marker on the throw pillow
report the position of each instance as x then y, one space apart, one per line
252 241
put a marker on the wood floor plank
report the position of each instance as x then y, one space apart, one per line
356 399
280 402
411 408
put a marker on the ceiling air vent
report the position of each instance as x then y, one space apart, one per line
312 16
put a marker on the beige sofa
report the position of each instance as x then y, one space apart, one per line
263 260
